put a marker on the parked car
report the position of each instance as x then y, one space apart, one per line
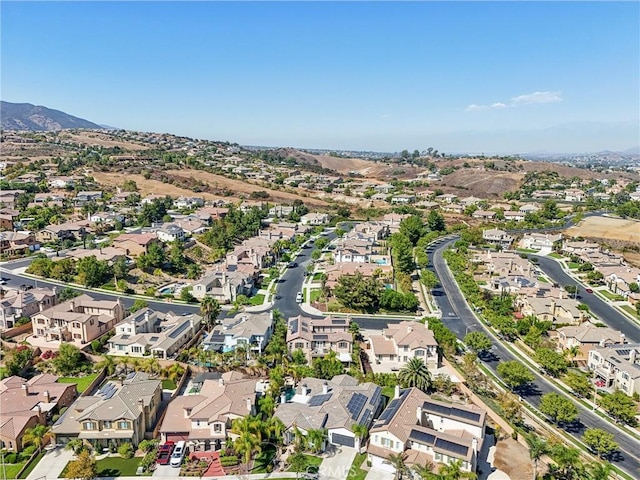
293 264
178 454
299 297
164 453
588 290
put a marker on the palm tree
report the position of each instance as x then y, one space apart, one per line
415 374
396 460
210 309
317 437
108 364
537 448
300 439
250 424
453 471
275 430
38 436
424 471
247 444
361 431
573 352
267 406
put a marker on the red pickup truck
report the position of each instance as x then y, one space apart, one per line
164 453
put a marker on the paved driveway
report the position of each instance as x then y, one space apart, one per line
337 466
52 464
377 474
166 471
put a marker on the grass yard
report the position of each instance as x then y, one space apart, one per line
118 467
355 472
82 382
526 250
315 295
264 459
543 279
257 299
32 465
312 461
12 469
631 310
168 384
317 277
573 265
388 392
611 296
556 255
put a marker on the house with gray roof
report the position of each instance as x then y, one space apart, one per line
335 405
317 337
250 330
120 412
617 367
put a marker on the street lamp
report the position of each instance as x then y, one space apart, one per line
466 330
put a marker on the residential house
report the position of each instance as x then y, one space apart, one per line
515 216
426 430
254 251
446 198
252 331
556 310
383 270
8 198
83 198
586 337
352 251
403 199
336 405
617 366
188 202
17 243
61 182
315 219
499 237
574 195
24 303
375 231
8 217
317 337
528 208
65 231
170 232
27 403
453 208
281 211
135 244
224 286
393 221
579 247
385 188
484 214
543 194
619 278
120 412
539 241
147 332
203 418
401 342
468 201
79 320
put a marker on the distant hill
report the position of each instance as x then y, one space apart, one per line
25 116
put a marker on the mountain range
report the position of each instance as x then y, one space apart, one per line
25 116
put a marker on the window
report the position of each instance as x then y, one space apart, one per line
217 428
406 348
419 353
299 345
89 426
197 423
625 376
107 424
342 345
438 456
76 324
91 322
122 425
77 336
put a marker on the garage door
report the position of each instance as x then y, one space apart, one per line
176 437
343 440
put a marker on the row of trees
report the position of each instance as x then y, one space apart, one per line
369 294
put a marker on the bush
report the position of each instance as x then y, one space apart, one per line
11 458
26 453
96 346
126 450
229 461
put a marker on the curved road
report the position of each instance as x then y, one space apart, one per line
458 317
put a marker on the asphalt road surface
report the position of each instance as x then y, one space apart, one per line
597 306
458 317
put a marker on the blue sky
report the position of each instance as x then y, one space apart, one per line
457 76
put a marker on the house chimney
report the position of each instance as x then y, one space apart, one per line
419 415
305 390
25 389
249 406
221 382
47 396
325 388
623 338
72 306
632 355
397 392
146 315
141 405
601 343
474 444
409 329
283 397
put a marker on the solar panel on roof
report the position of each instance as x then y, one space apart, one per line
434 407
375 398
367 413
154 339
451 446
422 437
294 326
318 400
356 404
339 321
473 416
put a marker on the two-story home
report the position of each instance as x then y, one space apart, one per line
188 202
556 310
18 243
514 216
425 430
586 337
352 251
224 286
315 219
203 418
147 332
497 236
20 303
85 197
120 412
170 232
617 366
336 405
79 320
317 337
8 218
249 330
135 244
27 403
401 342
540 241
64 231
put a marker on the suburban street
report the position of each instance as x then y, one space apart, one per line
458 317
598 307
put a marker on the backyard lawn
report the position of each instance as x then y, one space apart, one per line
355 472
168 384
315 295
257 299
82 382
32 465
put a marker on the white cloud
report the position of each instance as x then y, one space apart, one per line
536 97
527 99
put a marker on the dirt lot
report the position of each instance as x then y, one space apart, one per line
93 138
513 459
607 228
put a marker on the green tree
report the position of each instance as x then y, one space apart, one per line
415 374
402 252
453 471
138 304
619 406
568 464
511 407
478 342
599 471
186 296
538 447
126 450
37 436
297 462
209 309
92 272
579 383
601 441
317 438
120 268
397 461
428 279
83 468
412 228
551 361
558 408
514 374
328 366
359 293
67 293
69 359
435 221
